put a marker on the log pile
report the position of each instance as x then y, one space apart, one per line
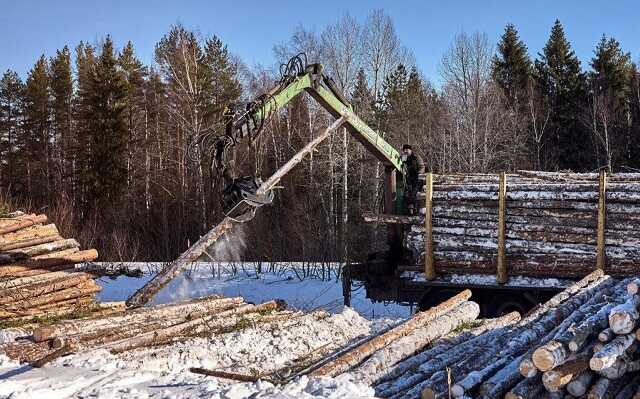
551 224
582 342
143 327
374 358
38 277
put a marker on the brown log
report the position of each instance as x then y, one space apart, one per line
45 248
560 376
21 223
50 264
234 376
358 354
12 295
189 328
185 310
82 289
63 349
377 365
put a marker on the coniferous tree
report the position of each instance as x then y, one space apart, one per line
511 67
36 138
562 84
134 73
107 169
84 121
61 108
609 106
633 146
11 108
362 98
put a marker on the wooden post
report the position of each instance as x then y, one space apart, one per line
601 258
501 272
429 266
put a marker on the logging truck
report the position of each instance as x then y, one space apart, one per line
514 239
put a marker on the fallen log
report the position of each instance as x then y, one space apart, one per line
623 318
21 223
562 375
45 248
357 355
185 310
83 289
13 295
526 389
578 387
235 376
378 364
611 351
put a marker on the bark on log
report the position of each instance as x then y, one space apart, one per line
611 352
144 294
83 289
11 295
606 335
578 387
623 318
562 375
21 223
599 388
407 345
526 389
357 355
634 286
189 328
184 310
45 248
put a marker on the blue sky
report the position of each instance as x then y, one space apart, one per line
29 28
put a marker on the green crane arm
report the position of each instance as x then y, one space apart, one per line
323 90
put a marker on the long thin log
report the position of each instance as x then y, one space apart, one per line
357 355
610 352
377 365
12 295
22 222
187 310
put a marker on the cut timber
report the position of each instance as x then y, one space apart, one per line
82 289
22 222
560 376
549 355
358 354
189 328
144 294
185 310
623 318
610 352
378 364
606 335
526 389
599 389
29 291
578 387
634 286
45 248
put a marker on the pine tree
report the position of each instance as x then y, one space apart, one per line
61 102
633 138
84 121
11 107
391 105
511 67
134 73
36 138
562 84
610 85
362 98
107 167
225 87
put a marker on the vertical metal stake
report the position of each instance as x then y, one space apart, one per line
601 256
501 271
429 266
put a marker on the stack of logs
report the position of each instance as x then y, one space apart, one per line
551 223
142 327
580 342
37 273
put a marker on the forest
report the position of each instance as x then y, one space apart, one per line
105 144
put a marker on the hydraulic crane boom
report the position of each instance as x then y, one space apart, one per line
239 197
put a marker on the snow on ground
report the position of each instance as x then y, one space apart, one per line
163 372
304 286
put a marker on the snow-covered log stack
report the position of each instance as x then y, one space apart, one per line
551 224
37 273
142 327
582 341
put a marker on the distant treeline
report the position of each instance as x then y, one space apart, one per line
103 142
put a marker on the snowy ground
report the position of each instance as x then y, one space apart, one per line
304 286
163 372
